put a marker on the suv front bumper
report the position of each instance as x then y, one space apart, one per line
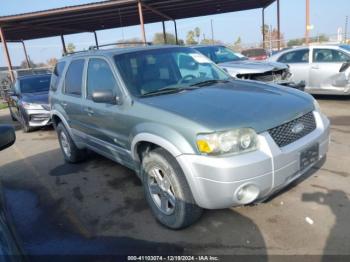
215 181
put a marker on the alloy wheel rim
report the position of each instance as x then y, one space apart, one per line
162 190
65 144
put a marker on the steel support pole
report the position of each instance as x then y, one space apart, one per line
63 45
278 26
142 24
263 27
96 40
176 38
6 54
164 33
307 16
26 54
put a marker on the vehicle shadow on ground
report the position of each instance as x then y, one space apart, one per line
338 201
117 213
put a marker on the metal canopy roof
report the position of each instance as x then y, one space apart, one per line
113 14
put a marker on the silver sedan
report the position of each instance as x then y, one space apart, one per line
324 68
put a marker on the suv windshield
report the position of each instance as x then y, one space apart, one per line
167 69
35 84
220 54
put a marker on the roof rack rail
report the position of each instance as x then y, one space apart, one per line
75 52
93 47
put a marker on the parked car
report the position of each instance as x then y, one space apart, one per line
255 53
324 68
239 66
196 137
28 101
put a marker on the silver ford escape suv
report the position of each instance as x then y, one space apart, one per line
195 137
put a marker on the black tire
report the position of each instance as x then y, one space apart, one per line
12 116
185 211
26 128
76 155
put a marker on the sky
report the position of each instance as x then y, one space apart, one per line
326 16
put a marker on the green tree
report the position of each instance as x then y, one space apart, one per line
158 39
197 33
70 48
25 65
190 38
237 45
295 42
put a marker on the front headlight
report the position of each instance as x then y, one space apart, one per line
317 106
230 142
31 106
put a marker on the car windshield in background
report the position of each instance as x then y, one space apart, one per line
220 54
166 70
346 47
35 84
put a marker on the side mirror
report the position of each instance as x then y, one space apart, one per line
7 136
105 96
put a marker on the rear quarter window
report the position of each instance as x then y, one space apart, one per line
57 75
74 78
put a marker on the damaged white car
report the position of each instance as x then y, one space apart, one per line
324 68
239 66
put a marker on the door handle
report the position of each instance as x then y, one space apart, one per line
64 104
89 111
315 67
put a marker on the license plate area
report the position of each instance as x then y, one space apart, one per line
309 156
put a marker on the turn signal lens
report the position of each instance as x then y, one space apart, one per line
203 146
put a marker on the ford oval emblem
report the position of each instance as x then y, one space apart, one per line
297 128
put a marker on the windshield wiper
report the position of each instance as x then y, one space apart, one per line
166 90
210 82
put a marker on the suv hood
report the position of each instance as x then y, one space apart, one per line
236 104
41 98
249 66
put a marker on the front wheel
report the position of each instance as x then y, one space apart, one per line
167 191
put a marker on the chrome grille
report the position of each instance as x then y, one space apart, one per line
283 134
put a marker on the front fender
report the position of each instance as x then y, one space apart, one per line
163 136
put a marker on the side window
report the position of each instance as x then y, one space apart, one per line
74 76
57 75
99 76
299 56
329 56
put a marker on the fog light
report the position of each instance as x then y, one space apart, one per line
240 193
247 193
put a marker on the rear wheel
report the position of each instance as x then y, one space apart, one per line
167 191
71 152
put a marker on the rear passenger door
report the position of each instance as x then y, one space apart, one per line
72 93
104 121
